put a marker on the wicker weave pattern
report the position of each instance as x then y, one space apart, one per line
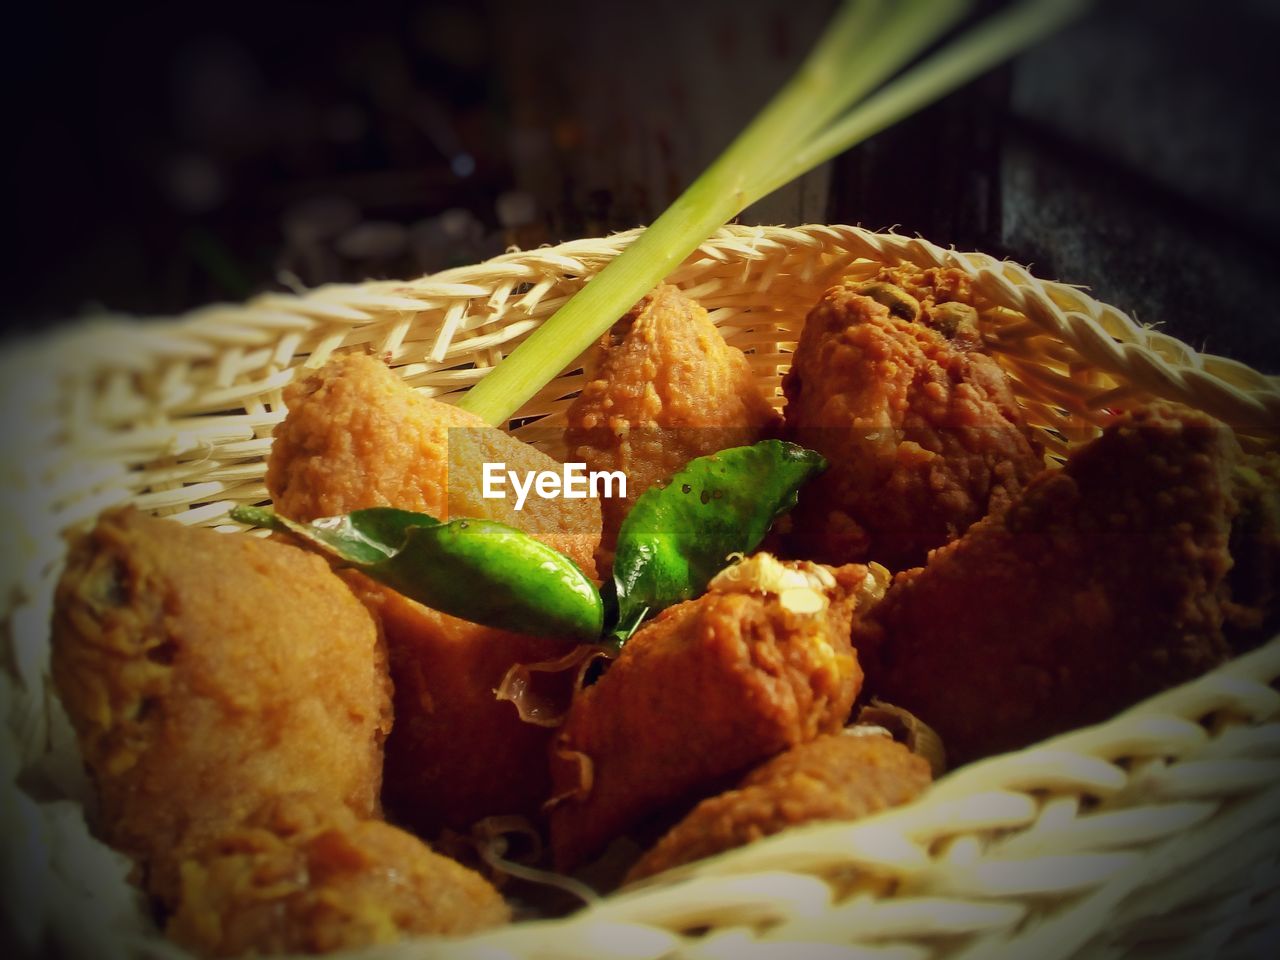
1072 848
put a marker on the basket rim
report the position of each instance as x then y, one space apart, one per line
1238 394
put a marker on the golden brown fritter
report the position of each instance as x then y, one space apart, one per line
304 876
357 436
710 687
457 753
1254 578
920 427
230 696
840 776
664 388
1105 582
204 673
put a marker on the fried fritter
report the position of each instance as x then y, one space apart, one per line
205 673
211 677
1254 578
840 776
664 388
304 876
1106 581
357 436
458 754
891 385
710 687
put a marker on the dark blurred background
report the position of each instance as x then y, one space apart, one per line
165 155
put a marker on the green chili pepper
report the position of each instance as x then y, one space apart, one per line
678 536
478 570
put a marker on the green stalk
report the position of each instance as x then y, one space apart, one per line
969 56
865 44
832 77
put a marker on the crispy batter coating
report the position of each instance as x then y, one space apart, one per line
707 689
1105 582
841 776
458 754
924 437
1254 578
664 388
211 678
205 673
357 436
304 876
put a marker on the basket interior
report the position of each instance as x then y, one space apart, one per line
176 417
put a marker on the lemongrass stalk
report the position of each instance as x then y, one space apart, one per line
832 77
838 71
859 51
978 50
866 43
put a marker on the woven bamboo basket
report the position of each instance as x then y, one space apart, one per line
1157 833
